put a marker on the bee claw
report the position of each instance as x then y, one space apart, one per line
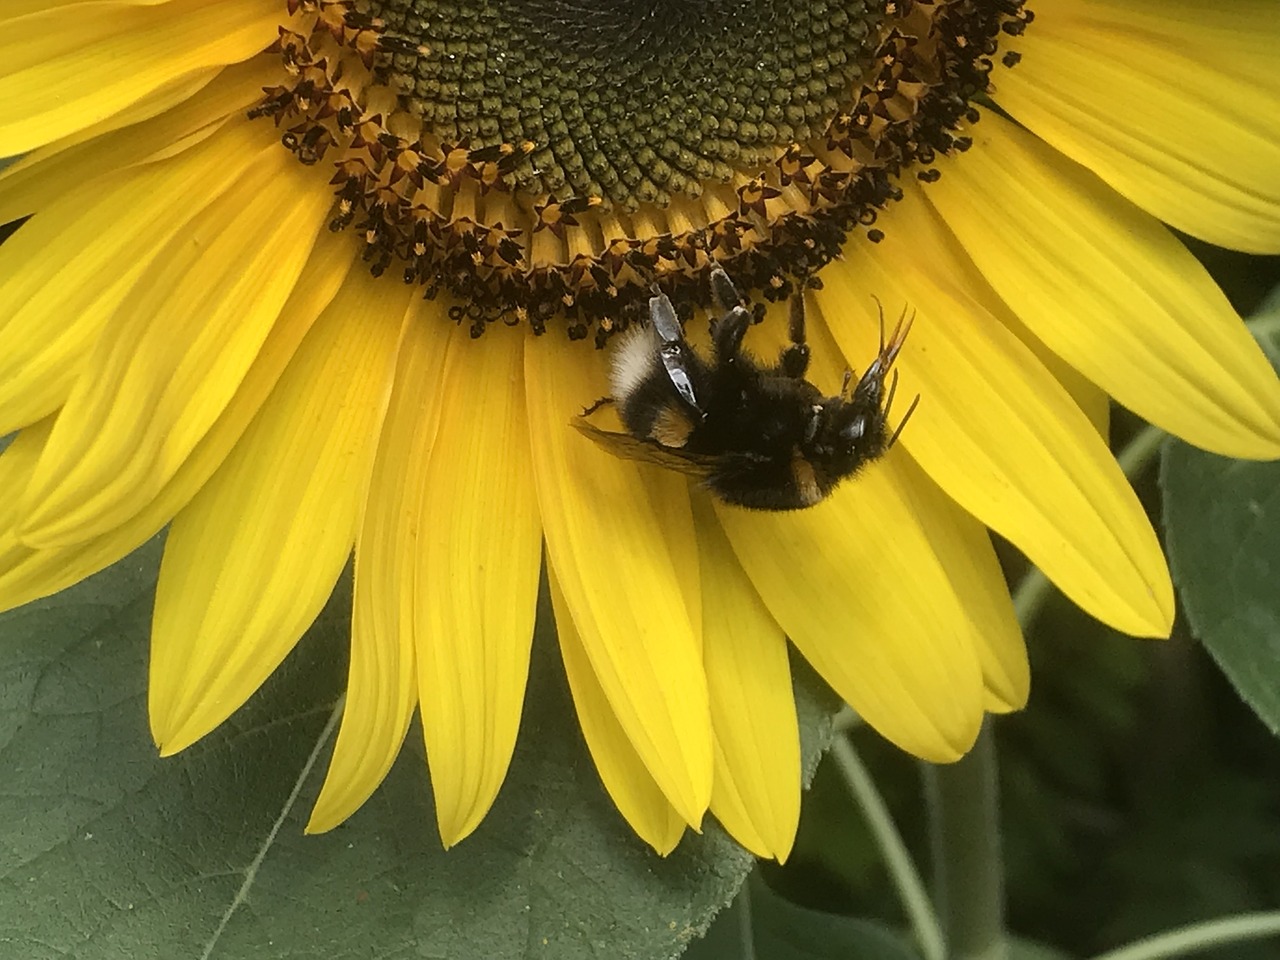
844 384
602 402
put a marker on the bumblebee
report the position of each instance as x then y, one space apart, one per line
756 436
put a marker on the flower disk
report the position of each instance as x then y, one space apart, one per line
537 159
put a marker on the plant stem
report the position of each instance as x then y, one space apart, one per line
1029 598
1265 326
964 828
1199 936
845 720
902 870
1137 453
746 928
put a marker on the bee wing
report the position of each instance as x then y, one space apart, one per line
674 351
648 451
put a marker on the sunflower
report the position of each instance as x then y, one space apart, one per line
306 277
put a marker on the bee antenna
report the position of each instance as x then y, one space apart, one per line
903 422
898 338
880 311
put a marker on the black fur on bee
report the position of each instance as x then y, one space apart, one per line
754 435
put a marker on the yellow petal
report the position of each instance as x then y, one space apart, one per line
477 578
1110 290
22 177
998 433
1203 150
1088 396
915 222
623 773
756 795
175 352
382 684
20 8
67 68
964 549
858 587
103 236
27 573
185 111
17 460
618 534
855 584
251 560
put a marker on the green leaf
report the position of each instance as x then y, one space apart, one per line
1222 522
109 853
764 925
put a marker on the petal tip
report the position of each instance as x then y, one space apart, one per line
665 844
321 821
176 736
333 806
454 829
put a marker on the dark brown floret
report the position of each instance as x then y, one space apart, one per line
555 159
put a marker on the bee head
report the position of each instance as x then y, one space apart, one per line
844 432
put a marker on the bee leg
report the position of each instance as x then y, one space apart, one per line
794 360
727 333
602 402
732 318
723 293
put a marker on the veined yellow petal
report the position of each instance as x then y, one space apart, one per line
1247 28
104 237
1110 290
856 584
181 113
914 222
21 8
477 578
963 547
382 685
618 542
1000 435
251 560
1088 396
1203 150
17 460
168 97
27 574
623 773
756 793
69 67
175 353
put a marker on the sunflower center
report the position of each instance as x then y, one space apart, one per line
557 158
634 101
